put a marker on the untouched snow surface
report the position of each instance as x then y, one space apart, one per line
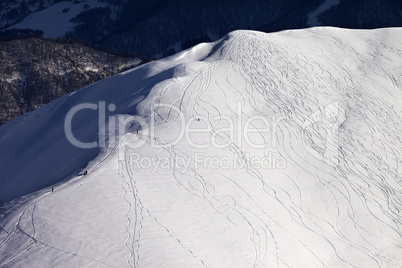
265 150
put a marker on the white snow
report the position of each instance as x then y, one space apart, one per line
290 158
53 21
313 16
91 68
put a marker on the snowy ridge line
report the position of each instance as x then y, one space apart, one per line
324 106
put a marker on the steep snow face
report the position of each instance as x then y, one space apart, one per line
258 150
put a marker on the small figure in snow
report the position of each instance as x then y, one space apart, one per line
85 172
52 189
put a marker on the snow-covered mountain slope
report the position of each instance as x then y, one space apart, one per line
266 150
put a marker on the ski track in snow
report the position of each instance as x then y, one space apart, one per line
309 214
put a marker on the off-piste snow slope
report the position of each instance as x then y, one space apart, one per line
258 150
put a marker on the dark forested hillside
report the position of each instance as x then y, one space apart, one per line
161 27
35 71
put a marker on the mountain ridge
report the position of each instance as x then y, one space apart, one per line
254 150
